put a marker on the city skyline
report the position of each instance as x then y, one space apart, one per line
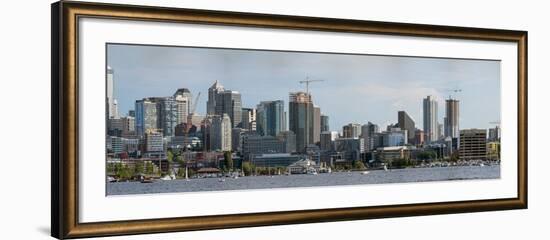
352 80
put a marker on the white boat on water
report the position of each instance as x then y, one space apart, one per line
385 168
186 174
365 173
311 171
221 179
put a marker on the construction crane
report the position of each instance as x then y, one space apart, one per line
495 122
454 90
308 81
190 115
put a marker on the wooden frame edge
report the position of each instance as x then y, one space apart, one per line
65 120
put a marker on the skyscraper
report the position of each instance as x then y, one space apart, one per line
232 106
146 116
316 124
406 123
430 119
327 140
451 118
183 100
352 130
270 117
213 91
222 101
368 132
249 119
219 132
168 115
110 91
324 123
494 133
301 119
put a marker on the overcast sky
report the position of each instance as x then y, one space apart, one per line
356 88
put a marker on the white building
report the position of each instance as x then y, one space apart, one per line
431 125
220 133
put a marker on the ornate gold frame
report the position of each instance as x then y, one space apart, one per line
65 129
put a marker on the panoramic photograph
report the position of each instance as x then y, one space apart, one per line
195 119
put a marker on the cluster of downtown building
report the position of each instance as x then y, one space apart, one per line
261 135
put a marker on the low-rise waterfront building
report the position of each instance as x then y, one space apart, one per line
275 159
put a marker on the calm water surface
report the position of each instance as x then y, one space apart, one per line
326 179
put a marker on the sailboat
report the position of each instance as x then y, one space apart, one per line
385 168
186 174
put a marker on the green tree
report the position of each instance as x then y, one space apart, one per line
180 160
358 165
427 155
149 168
111 168
138 167
228 160
248 168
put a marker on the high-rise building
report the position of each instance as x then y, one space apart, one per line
128 125
368 132
301 119
350 148
183 100
473 144
232 106
219 132
168 115
324 123
395 137
115 109
430 119
494 133
213 91
270 117
451 118
352 130
146 116
222 101
289 138
327 140
249 119
237 139
316 124
110 91
406 123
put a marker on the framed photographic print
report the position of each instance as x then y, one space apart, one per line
167 119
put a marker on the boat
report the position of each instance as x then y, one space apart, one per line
329 170
146 180
385 168
166 178
221 179
365 173
311 171
186 174
111 179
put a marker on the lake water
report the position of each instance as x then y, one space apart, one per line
302 180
